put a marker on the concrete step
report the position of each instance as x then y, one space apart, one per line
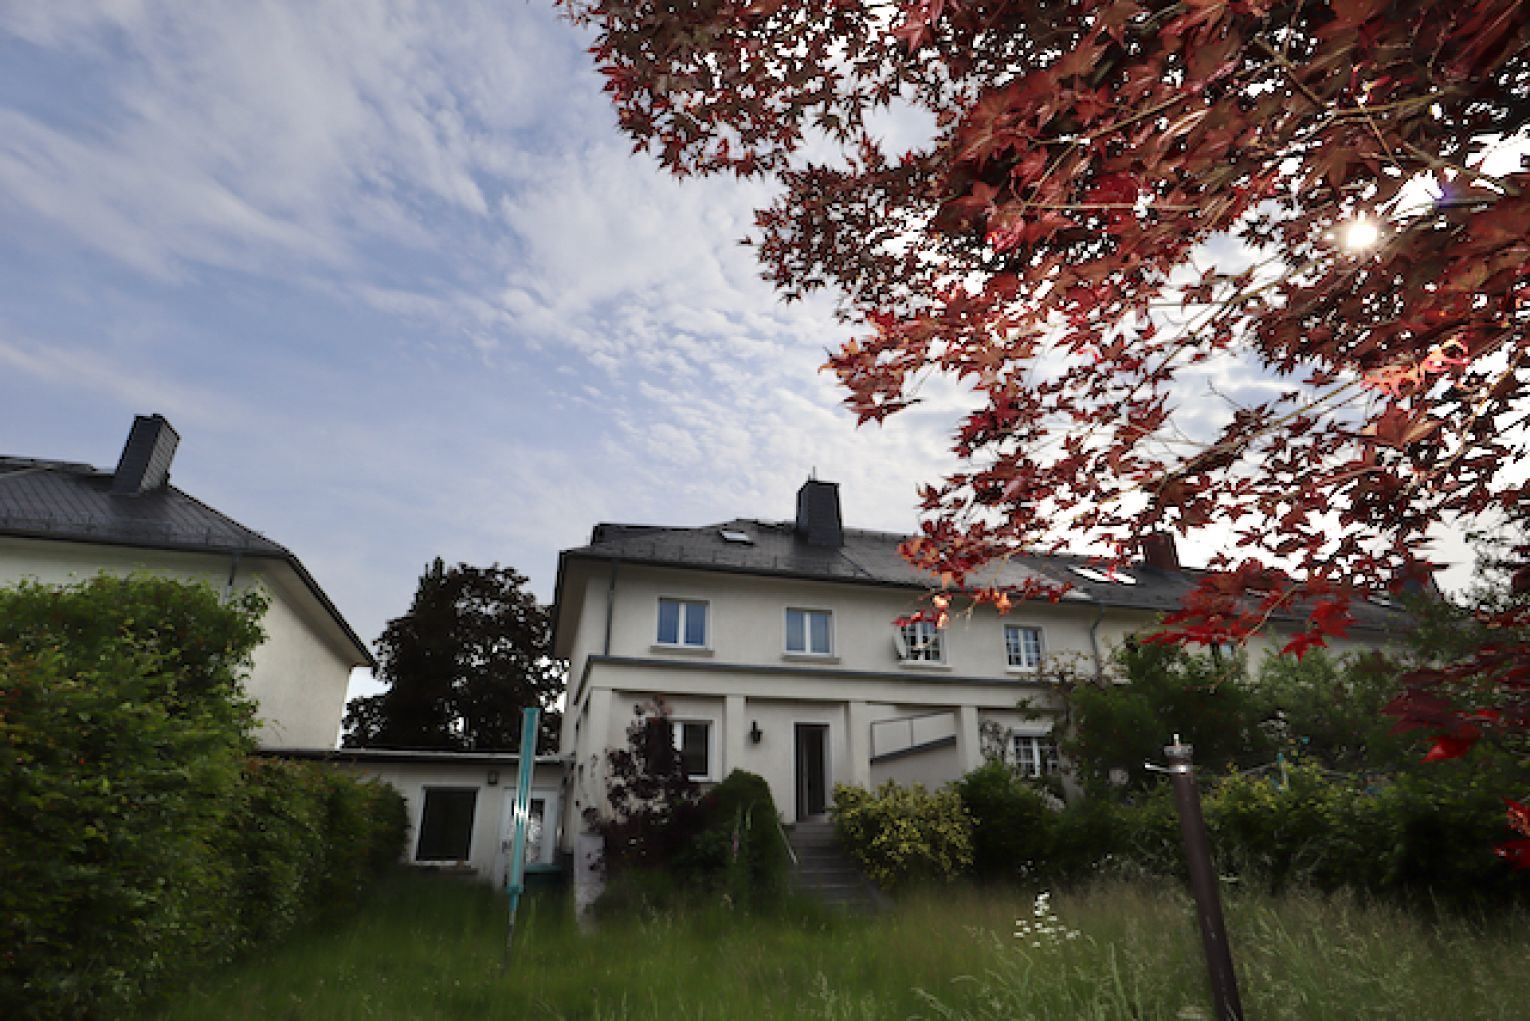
825 872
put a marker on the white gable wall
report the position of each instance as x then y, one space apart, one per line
301 669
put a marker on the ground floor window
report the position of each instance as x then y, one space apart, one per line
446 824
693 742
1034 754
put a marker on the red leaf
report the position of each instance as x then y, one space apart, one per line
1302 643
1515 852
1519 817
1454 745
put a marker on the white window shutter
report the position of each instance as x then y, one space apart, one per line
900 642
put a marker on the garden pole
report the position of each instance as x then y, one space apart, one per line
1203 881
515 875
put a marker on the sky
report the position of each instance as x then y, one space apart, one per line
401 286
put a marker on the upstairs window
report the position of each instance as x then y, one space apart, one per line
920 641
683 622
1022 647
1034 755
809 632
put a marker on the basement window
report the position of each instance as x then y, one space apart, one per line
446 824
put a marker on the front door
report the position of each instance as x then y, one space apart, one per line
812 769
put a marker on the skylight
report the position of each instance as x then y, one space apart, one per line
1104 578
734 535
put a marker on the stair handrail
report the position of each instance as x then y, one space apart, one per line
786 840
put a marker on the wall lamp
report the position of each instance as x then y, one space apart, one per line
755 733
493 777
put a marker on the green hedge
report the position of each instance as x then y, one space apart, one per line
904 836
138 840
1425 836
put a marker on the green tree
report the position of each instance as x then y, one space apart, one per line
1327 710
1167 691
474 650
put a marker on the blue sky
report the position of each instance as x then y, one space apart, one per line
401 286
398 281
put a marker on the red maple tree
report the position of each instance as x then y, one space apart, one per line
1205 262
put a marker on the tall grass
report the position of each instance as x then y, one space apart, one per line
432 949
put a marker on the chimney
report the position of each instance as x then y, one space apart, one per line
145 463
818 514
1158 550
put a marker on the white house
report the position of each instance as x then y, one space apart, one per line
62 522
774 646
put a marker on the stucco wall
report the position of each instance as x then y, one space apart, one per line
300 673
933 768
494 803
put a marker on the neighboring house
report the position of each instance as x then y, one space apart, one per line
63 522
775 649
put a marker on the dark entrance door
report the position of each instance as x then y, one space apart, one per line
812 769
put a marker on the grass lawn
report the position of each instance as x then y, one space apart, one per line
429 948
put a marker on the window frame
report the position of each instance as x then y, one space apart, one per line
1043 760
685 609
808 612
914 650
472 824
677 727
1020 646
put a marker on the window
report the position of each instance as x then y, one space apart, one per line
1022 646
920 641
693 742
446 824
808 632
1105 577
1034 754
683 622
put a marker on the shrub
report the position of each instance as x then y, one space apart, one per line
137 839
904 836
748 857
726 843
1013 824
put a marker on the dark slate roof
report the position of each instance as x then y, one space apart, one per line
63 500
71 502
872 558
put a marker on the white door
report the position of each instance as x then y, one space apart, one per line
541 836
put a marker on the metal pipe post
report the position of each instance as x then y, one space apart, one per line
1203 882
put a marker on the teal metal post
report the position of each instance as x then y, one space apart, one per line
515 876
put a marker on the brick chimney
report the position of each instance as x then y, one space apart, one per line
818 520
1158 550
145 462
